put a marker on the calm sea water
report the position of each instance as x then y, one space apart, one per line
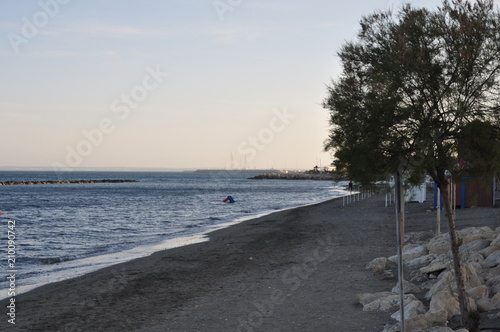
71 229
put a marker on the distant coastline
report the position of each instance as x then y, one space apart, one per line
295 176
253 171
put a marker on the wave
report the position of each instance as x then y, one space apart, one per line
55 260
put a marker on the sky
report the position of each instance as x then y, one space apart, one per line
182 84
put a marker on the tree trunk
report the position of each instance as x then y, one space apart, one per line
457 265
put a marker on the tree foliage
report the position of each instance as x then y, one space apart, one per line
411 83
419 93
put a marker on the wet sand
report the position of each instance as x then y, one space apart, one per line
294 270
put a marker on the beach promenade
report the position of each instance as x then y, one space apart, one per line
294 270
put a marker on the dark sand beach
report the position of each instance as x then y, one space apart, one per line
294 270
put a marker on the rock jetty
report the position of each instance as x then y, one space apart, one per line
430 293
294 176
10 183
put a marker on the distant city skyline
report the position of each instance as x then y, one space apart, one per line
171 84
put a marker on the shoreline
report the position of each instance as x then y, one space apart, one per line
297 269
91 264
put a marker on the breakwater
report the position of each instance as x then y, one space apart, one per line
294 176
10 183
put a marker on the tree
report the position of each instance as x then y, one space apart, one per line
414 84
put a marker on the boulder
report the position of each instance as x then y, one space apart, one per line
472 280
469 249
494 285
408 287
437 267
439 245
424 261
410 252
447 301
478 293
496 240
471 234
489 304
488 272
494 257
446 281
411 309
365 298
383 301
414 251
489 250
377 265
426 321
494 316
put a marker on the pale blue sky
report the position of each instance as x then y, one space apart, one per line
85 83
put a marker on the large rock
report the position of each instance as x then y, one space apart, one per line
494 285
478 293
445 300
496 240
365 298
424 261
472 280
443 329
411 309
471 234
436 267
426 321
471 248
410 252
489 304
493 258
446 281
489 250
439 245
377 265
488 272
383 301
414 251
408 287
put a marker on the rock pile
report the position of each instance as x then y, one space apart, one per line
430 293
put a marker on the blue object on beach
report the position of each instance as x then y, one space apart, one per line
229 199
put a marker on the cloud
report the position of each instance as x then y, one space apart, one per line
11 116
118 31
63 54
231 35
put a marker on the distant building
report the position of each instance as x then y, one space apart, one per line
472 192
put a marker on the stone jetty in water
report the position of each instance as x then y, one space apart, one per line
9 183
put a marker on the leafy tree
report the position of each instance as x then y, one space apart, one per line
415 88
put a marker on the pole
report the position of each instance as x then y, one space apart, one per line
399 208
438 205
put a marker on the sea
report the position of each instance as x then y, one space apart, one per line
54 232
